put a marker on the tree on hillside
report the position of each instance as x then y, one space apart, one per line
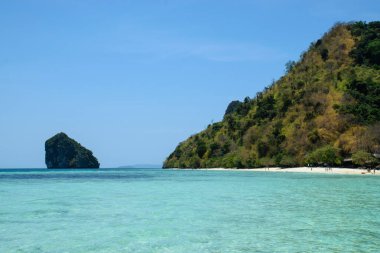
232 107
325 155
289 66
363 159
367 51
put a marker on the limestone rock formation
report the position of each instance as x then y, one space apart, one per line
63 152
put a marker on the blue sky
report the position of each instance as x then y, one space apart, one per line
131 79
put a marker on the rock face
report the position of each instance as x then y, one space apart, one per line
64 152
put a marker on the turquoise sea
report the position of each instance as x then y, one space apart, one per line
153 210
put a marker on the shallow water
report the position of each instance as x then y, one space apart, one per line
152 210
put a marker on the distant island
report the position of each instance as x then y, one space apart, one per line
324 111
140 166
64 152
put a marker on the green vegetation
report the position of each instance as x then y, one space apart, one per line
367 51
326 155
364 159
325 108
366 93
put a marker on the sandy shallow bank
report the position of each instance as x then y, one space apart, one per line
302 170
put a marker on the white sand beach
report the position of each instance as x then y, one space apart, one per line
324 170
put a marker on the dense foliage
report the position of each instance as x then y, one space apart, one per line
367 50
327 155
362 158
325 108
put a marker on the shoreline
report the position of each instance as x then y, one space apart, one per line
320 170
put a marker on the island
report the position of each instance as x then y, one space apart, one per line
63 152
325 111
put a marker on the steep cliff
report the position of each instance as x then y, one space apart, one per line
64 152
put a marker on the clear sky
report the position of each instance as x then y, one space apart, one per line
131 79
